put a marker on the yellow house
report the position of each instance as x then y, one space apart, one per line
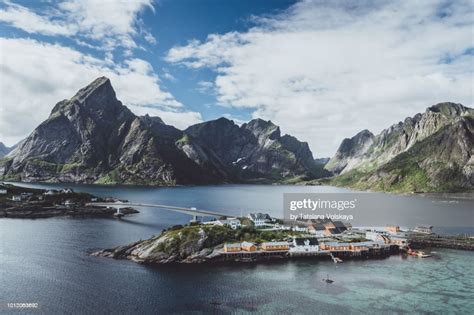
248 247
393 229
275 246
232 247
335 246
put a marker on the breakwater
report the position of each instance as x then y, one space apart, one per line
463 242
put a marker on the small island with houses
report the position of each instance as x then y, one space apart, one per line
21 202
259 237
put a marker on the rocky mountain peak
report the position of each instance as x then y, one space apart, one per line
259 124
96 101
150 120
450 109
263 129
364 134
100 87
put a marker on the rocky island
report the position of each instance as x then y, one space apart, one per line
241 240
224 240
21 202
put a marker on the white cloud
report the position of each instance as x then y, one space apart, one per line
34 76
27 20
205 87
110 23
324 71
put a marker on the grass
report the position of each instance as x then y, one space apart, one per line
180 237
183 140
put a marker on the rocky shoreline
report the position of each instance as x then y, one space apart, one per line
205 244
28 203
197 244
34 212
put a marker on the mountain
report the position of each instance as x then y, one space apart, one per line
351 152
322 161
255 150
432 151
4 150
94 138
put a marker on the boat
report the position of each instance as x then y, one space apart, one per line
327 280
417 253
422 254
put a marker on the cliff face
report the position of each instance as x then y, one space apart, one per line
351 152
428 152
93 138
254 150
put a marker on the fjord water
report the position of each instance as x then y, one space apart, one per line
46 261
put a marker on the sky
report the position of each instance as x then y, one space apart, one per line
321 70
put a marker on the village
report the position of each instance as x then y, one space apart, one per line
318 238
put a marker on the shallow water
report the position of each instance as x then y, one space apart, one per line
46 261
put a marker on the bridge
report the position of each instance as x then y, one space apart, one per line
191 211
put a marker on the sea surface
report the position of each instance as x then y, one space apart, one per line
46 261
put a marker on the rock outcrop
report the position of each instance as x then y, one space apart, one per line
196 244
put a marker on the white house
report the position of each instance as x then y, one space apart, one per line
426 229
3 191
260 219
233 223
304 245
16 198
373 236
300 228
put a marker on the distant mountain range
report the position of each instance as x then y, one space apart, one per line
93 138
429 152
3 150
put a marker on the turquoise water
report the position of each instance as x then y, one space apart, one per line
46 261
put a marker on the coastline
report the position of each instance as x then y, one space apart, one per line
215 255
32 203
468 194
199 243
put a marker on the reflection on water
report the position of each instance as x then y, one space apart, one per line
46 261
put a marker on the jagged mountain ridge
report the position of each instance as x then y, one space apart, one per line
428 152
94 138
255 149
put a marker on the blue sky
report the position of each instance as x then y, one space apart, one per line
322 70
